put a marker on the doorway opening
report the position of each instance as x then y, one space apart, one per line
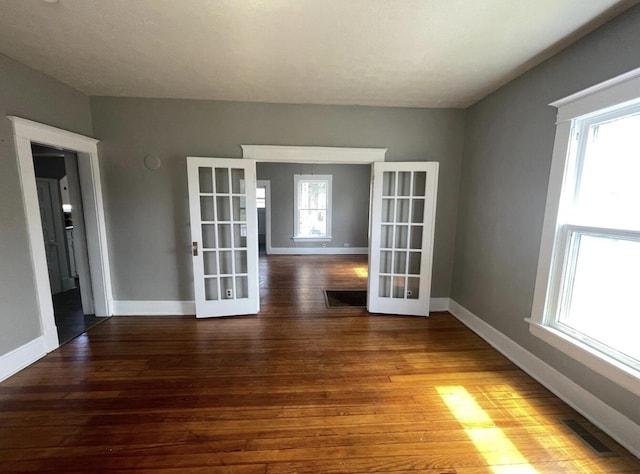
263 204
65 241
27 132
398 225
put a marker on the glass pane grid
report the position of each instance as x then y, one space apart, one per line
603 265
205 180
607 191
402 219
224 232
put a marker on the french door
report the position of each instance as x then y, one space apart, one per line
403 206
224 230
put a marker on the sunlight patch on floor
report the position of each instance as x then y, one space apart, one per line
497 449
361 272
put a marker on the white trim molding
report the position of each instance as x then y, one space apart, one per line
188 308
439 304
614 370
326 179
616 91
313 154
25 355
603 101
611 421
27 132
154 308
319 250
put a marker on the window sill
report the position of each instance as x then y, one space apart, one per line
313 239
604 365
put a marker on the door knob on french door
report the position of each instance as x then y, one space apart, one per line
194 248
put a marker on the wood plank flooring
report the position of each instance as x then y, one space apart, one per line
298 389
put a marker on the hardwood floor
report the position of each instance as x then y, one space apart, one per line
298 389
70 320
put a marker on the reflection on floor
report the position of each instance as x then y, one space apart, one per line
70 320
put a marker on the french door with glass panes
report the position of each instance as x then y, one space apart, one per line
403 206
224 230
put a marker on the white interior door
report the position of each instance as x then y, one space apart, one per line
224 229
53 233
403 208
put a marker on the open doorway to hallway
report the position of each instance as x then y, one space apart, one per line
61 214
263 193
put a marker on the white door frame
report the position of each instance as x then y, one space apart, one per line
324 155
79 234
266 184
27 132
309 154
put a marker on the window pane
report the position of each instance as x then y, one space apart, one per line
261 197
384 288
602 301
222 180
608 194
389 183
207 212
312 195
210 289
206 180
404 183
237 181
239 208
312 223
222 207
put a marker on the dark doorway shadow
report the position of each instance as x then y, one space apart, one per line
70 319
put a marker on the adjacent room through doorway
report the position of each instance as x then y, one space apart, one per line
63 229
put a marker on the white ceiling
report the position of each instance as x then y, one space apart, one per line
413 53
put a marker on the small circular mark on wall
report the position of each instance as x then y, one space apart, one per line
152 162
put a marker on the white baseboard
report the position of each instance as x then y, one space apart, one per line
154 308
188 308
612 422
16 360
318 251
439 304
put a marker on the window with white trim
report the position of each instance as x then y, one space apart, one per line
261 197
312 207
586 300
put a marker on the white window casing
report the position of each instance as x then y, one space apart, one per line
299 233
561 234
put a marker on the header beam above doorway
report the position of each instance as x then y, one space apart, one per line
313 154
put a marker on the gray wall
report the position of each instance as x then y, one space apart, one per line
350 202
147 212
508 144
31 95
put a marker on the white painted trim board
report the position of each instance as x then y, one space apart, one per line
25 132
612 422
319 251
154 308
188 308
14 361
438 304
313 154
